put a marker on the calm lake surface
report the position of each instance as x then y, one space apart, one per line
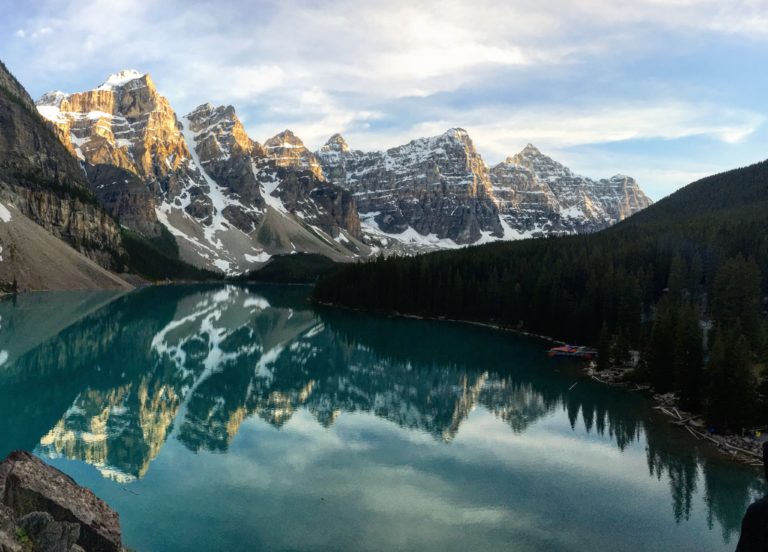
240 418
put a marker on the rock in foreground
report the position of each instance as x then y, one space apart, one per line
45 507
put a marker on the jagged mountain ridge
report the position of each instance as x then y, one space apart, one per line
427 191
438 191
538 195
228 203
232 202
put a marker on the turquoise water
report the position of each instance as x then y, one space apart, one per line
240 418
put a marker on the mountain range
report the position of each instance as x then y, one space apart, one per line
120 159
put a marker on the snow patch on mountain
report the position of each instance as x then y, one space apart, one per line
5 214
120 79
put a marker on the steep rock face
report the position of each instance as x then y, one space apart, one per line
44 181
32 259
124 122
287 150
431 188
226 153
145 170
259 180
125 196
333 157
539 196
282 176
29 485
313 200
231 203
201 176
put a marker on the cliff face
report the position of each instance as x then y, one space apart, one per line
124 122
226 153
539 196
41 178
202 177
51 511
437 187
125 196
231 202
437 192
287 150
33 259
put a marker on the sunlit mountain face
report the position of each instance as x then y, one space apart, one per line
194 375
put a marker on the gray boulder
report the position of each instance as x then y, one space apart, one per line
27 485
47 534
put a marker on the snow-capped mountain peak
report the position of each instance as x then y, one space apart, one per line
287 150
52 98
530 153
456 132
231 202
284 139
120 78
335 143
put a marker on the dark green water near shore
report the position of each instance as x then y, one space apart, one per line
240 418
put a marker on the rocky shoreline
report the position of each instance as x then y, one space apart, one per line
747 450
45 510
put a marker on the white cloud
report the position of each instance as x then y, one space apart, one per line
499 132
341 65
198 82
380 49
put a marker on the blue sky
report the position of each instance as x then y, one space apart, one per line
667 91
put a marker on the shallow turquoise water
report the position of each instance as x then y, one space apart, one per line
240 418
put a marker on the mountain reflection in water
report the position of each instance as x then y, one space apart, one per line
109 379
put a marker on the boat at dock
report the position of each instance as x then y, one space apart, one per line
573 351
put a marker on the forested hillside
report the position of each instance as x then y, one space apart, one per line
684 282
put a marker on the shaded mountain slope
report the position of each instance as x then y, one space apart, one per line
32 259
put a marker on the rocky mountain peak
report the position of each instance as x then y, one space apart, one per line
528 153
52 98
434 190
530 150
531 158
219 132
207 113
458 133
287 150
203 110
539 196
284 139
124 122
335 143
121 78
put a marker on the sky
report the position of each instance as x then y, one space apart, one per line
667 91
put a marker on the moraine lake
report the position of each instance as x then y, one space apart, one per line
242 418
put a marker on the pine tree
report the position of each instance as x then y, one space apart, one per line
620 348
676 283
737 298
688 358
661 347
732 395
